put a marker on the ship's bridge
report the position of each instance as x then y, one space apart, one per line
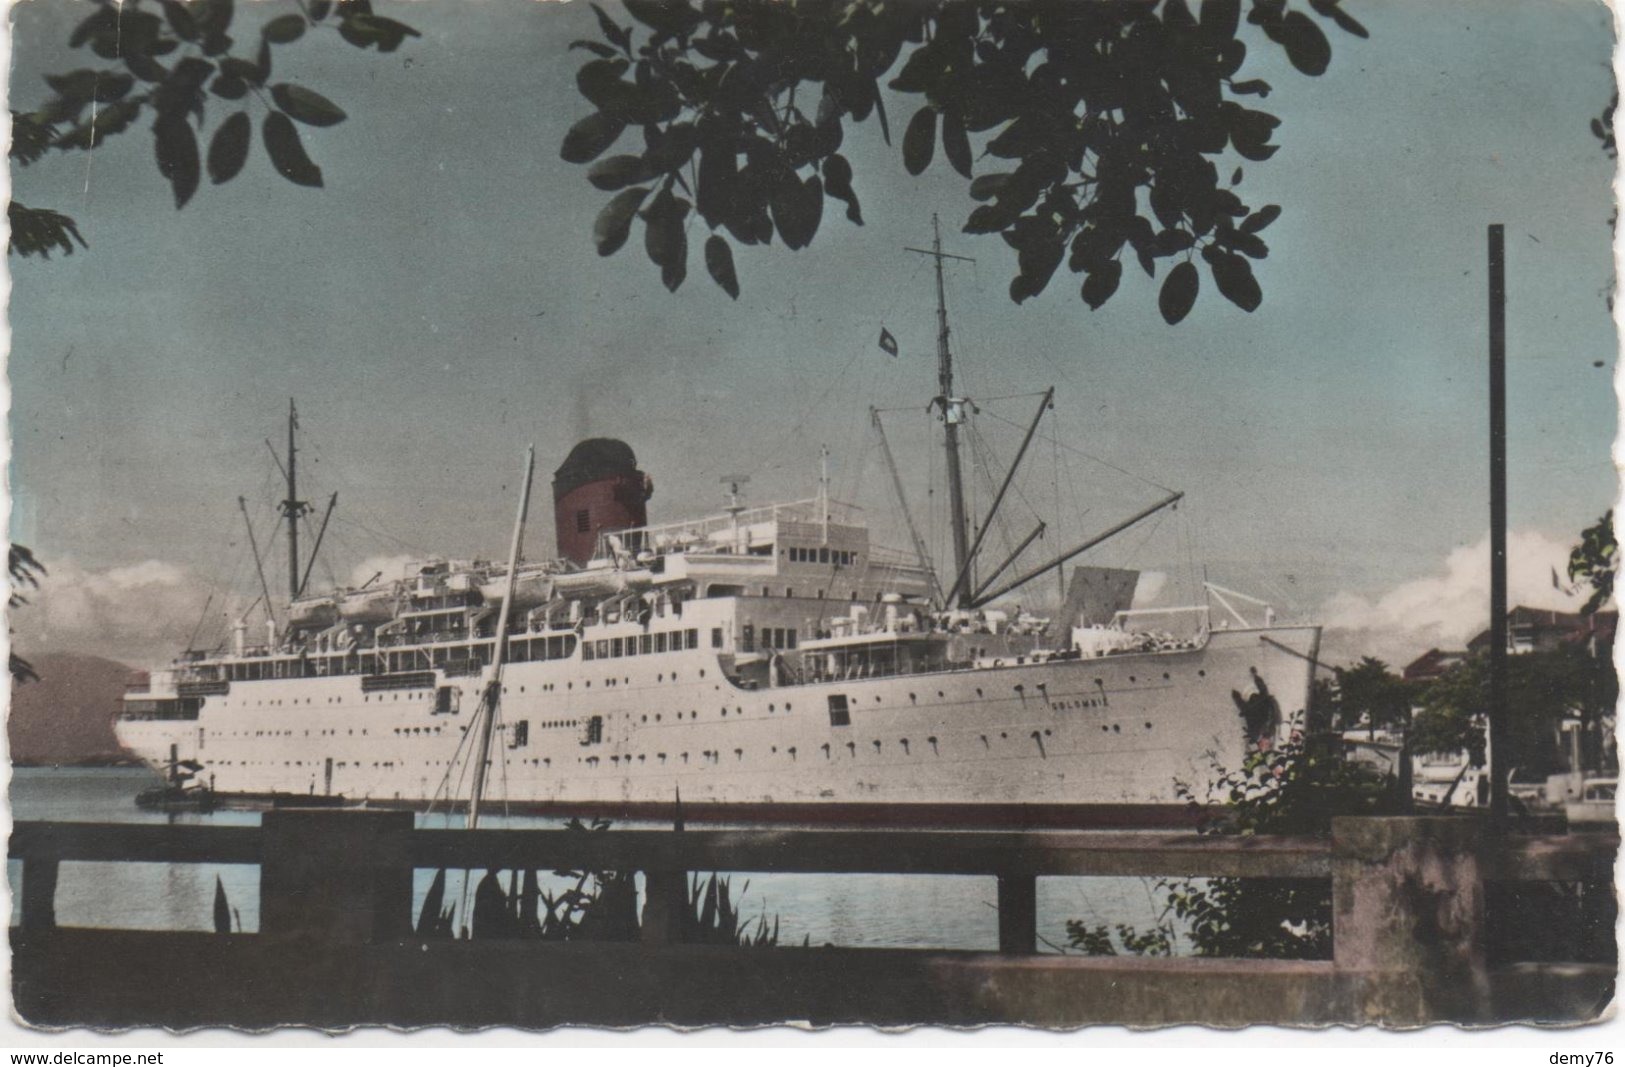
813 523
809 548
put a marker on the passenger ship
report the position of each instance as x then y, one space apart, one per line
761 662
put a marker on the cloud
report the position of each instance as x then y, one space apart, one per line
1447 609
392 568
141 613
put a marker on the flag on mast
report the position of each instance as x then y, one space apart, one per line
888 343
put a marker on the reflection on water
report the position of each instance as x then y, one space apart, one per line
843 909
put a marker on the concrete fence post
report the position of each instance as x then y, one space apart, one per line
39 893
340 877
665 906
1408 919
1018 914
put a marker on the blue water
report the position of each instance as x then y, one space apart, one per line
850 909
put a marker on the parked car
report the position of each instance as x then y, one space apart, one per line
1596 803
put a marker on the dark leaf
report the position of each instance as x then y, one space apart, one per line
1330 9
614 222
176 146
921 71
987 186
311 108
1246 243
838 184
664 238
719 167
920 140
1261 218
620 35
108 121
1235 179
617 172
1234 276
229 88
1251 88
1219 19
37 232
320 9
597 48
797 207
241 69
955 144
719 260
74 85
180 20
1101 283
1171 242
665 17
989 218
674 148
288 152
1305 45
145 67
1178 293
104 19
589 138
229 148
284 29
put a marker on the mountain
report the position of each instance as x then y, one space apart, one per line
67 716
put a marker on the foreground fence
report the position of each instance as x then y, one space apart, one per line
335 945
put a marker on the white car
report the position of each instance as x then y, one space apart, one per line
1596 803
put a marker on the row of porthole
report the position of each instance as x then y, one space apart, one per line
287 733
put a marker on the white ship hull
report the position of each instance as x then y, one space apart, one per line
1075 741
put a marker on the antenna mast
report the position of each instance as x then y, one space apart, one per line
293 509
953 413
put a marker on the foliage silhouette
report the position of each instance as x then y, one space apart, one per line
1368 693
1595 560
26 572
1098 128
169 59
1295 788
1544 688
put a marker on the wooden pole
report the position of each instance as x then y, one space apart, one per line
1499 751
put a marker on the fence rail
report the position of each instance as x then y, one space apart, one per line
1408 898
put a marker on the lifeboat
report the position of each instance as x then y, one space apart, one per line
310 612
368 605
530 590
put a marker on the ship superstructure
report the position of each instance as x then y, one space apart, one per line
765 660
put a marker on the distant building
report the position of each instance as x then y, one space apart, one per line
1539 630
1528 630
1434 663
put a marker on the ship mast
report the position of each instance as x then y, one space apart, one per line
953 413
490 705
293 509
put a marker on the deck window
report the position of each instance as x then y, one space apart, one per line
839 713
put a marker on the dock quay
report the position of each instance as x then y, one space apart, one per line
336 948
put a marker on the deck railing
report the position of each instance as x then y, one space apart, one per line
1408 895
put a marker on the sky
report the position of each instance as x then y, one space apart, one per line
439 306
